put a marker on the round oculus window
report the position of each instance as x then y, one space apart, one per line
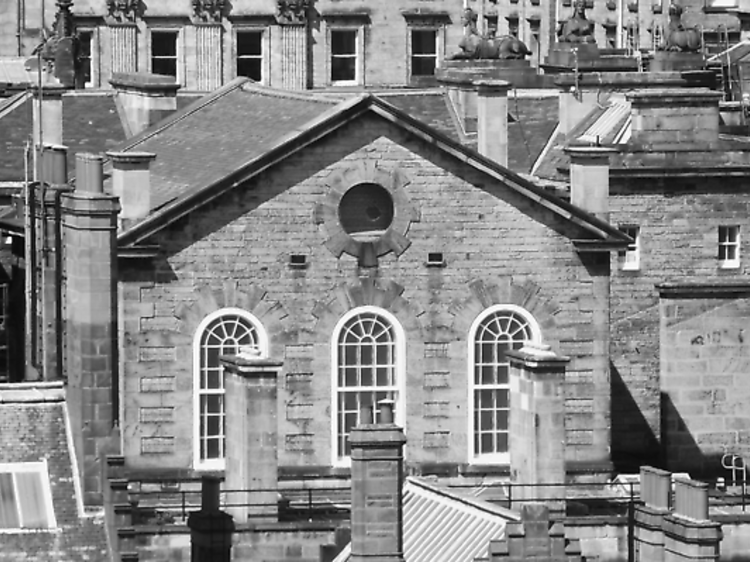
366 211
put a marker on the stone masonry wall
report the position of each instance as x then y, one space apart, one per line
499 249
678 222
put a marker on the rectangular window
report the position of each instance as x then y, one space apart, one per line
630 258
729 246
25 496
344 54
250 54
85 40
164 53
424 52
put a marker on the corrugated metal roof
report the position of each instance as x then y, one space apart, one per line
440 526
13 71
609 124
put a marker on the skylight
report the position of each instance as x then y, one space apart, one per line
25 496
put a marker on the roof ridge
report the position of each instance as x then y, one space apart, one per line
13 102
304 95
179 115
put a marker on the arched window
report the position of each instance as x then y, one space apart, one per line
221 333
494 332
368 360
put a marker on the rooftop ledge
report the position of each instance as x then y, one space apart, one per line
32 392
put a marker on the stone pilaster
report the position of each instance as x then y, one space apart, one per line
90 233
124 47
537 422
251 392
294 67
377 479
209 55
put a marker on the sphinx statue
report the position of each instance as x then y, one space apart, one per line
474 46
577 29
678 38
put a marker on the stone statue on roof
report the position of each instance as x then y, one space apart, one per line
678 37
474 46
577 29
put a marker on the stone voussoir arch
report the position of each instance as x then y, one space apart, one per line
388 176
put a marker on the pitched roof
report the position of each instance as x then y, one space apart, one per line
274 125
441 526
220 133
33 428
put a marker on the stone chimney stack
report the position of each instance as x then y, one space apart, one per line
492 119
377 480
131 182
665 118
145 98
251 436
89 224
589 179
47 115
537 422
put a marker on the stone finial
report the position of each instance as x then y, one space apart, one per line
293 12
124 10
209 10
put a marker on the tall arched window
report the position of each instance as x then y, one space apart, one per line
221 333
495 331
368 357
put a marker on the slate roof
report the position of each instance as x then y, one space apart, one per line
33 427
234 125
532 117
245 128
440 526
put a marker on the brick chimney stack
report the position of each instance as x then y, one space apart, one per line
89 224
377 480
251 436
492 119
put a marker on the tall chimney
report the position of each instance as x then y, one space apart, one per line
589 179
251 436
145 98
666 118
131 182
90 233
492 119
377 480
47 115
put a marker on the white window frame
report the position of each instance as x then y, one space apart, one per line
729 239
359 48
438 31
630 258
265 49
262 345
500 458
93 55
399 388
40 468
179 49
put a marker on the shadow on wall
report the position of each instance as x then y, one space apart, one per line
633 441
681 452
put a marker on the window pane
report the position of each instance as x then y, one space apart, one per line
31 500
423 42
423 66
343 42
250 68
8 510
343 69
163 44
165 67
249 43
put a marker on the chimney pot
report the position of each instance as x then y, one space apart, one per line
386 411
210 492
366 416
54 164
492 119
89 175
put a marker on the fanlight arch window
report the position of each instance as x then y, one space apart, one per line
368 357
495 331
221 333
